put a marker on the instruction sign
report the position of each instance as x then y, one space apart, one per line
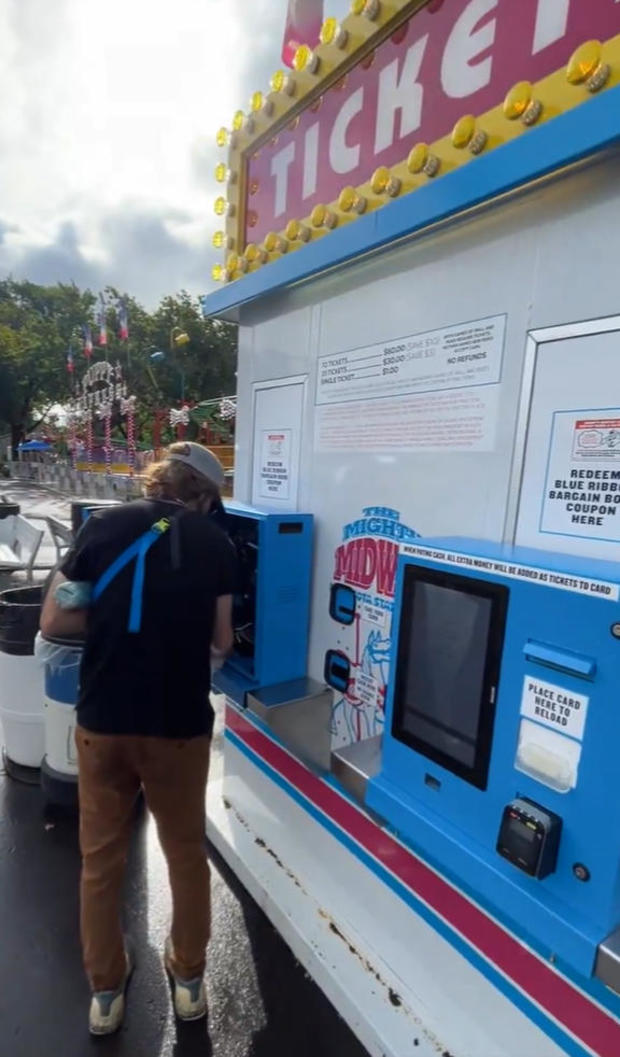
275 465
582 487
554 706
462 420
455 357
581 585
597 438
367 689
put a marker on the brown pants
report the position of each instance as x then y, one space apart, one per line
173 774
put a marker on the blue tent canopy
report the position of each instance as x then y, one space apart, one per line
35 445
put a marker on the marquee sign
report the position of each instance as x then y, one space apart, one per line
400 94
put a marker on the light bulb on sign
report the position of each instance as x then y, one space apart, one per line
586 66
222 241
238 121
277 81
297 232
520 104
351 201
255 254
421 160
584 61
275 243
333 33
236 263
221 137
383 183
369 8
259 104
305 59
466 134
321 217
283 82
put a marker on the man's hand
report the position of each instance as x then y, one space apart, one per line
56 622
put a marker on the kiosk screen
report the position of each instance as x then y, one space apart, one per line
449 651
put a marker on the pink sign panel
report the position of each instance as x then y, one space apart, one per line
452 58
303 25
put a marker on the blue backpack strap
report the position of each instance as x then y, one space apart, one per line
138 550
115 568
137 588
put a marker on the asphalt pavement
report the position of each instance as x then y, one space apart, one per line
261 1002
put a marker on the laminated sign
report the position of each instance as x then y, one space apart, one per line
582 489
275 467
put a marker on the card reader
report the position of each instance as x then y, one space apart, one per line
529 837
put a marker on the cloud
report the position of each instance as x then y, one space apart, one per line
107 134
135 250
6 229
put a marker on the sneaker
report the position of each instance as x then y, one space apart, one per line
190 996
107 1008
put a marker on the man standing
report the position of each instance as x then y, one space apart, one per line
154 579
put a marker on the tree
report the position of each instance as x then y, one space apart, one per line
37 326
207 364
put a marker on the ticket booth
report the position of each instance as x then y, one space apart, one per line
416 235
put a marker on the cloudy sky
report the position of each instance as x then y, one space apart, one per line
107 124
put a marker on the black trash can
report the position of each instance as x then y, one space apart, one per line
9 509
21 679
81 509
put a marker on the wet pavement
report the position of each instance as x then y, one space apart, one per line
262 1004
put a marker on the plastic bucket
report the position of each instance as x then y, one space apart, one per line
21 681
21 709
60 750
62 685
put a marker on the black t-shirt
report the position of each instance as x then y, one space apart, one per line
156 681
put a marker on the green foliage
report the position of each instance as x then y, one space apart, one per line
38 325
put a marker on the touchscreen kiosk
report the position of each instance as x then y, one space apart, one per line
501 735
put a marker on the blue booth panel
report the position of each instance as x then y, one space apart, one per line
272 606
500 755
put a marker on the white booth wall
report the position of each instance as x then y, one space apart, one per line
544 259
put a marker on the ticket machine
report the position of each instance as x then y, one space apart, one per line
266 670
500 754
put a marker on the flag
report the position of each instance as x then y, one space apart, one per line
103 330
123 321
70 364
88 342
303 25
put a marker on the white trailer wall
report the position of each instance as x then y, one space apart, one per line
546 258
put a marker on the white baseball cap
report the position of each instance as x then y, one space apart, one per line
200 459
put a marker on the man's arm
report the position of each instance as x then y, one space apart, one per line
57 622
222 641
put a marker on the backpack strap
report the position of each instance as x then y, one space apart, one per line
138 550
